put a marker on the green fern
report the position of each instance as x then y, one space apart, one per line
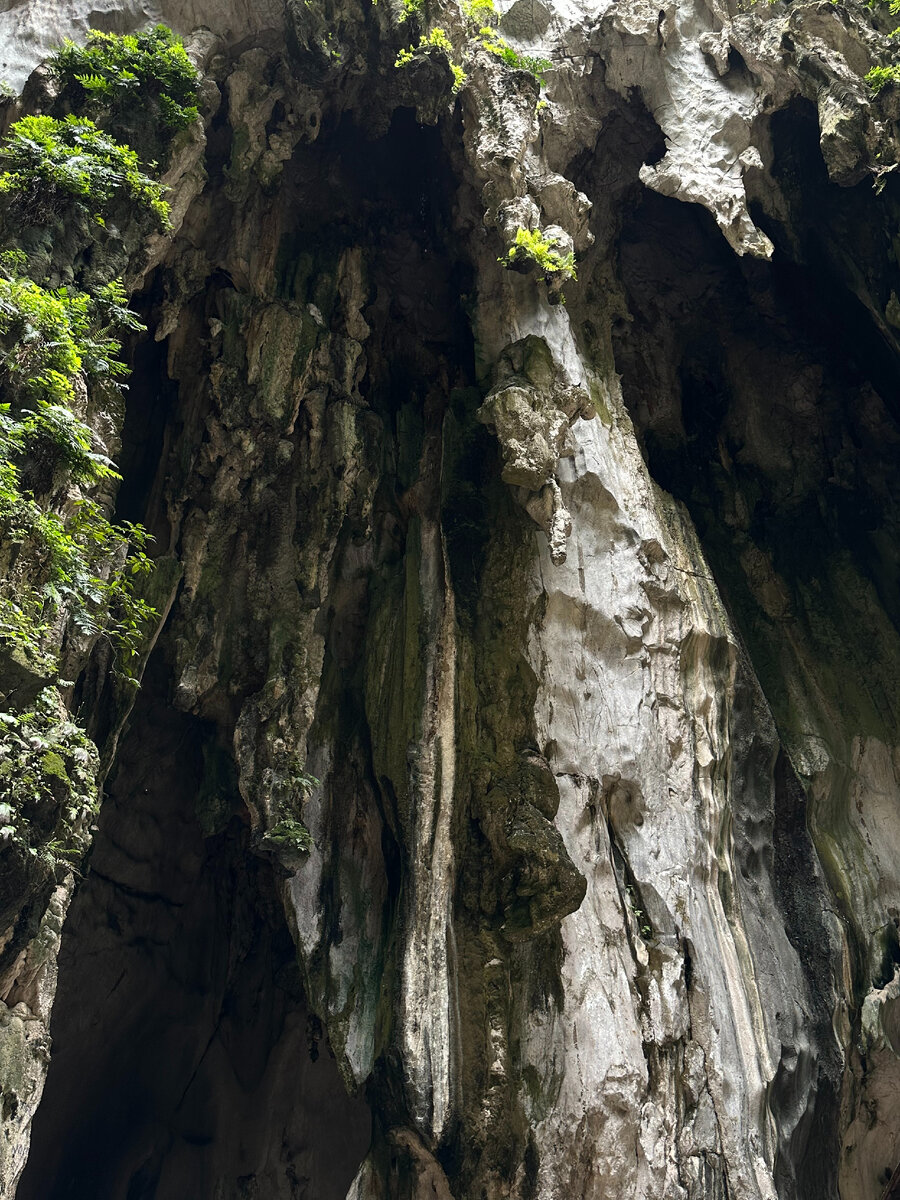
47 164
51 341
531 247
497 45
436 38
881 77
150 69
96 85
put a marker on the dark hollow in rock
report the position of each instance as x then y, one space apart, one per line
185 1061
771 416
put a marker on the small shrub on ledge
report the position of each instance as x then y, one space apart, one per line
141 87
436 39
531 249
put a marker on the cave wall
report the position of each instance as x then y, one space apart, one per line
582 616
187 1062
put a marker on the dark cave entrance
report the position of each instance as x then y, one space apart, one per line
764 394
185 1063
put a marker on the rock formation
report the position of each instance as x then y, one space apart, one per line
517 427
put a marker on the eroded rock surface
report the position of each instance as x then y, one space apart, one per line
581 617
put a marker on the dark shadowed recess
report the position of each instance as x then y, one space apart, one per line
147 431
765 397
185 1063
793 356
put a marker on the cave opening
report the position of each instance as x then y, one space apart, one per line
759 391
152 401
763 394
185 1061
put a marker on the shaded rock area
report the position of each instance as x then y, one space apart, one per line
510 806
795 511
189 1063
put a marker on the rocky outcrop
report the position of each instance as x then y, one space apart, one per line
542 655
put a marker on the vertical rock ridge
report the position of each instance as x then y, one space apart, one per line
525 498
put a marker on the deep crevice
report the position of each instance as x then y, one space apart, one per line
760 393
182 1061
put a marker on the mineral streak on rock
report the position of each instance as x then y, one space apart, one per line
553 593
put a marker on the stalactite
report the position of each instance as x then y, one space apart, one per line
509 806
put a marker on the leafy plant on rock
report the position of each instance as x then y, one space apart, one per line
479 12
291 786
434 39
53 343
48 788
68 574
411 9
62 560
48 165
531 248
290 835
482 17
112 75
49 337
881 77
497 45
78 566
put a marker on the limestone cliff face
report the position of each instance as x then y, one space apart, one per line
583 617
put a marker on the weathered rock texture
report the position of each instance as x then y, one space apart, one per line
584 618
179 954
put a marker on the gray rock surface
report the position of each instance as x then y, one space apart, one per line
582 616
